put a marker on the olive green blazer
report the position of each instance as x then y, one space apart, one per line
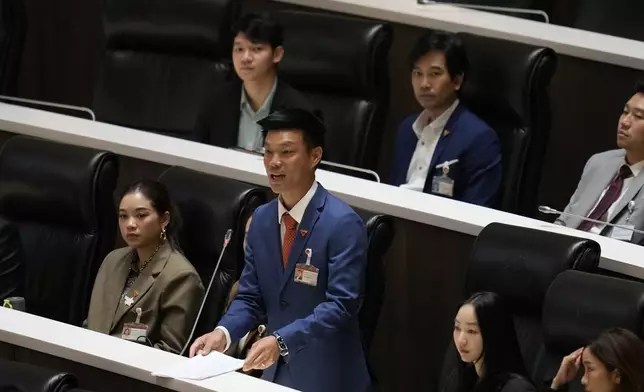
168 291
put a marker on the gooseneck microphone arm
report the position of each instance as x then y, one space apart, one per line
227 237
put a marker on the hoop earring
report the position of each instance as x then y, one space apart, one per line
163 236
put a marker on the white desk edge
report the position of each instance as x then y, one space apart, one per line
564 40
617 256
113 355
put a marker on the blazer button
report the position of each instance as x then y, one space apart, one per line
283 304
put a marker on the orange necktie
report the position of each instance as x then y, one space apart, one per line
289 237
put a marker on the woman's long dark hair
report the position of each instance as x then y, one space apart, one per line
160 200
621 349
501 354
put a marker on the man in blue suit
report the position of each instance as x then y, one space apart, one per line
446 150
305 255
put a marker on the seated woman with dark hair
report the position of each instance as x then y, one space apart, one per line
147 292
614 362
486 341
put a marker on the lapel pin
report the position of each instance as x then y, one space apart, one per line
304 232
128 301
446 132
135 294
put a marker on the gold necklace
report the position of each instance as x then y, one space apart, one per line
149 259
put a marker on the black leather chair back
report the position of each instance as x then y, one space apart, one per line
520 264
61 198
30 378
622 18
578 307
380 232
508 87
209 206
161 57
13 26
346 75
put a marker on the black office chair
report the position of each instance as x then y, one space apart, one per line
380 233
209 206
346 75
578 307
520 264
161 57
23 377
508 87
621 18
60 197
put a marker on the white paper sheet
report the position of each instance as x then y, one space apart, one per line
201 367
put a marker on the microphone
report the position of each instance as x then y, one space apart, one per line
335 167
552 211
52 106
227 237
491 8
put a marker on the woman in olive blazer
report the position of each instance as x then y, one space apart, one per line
150 276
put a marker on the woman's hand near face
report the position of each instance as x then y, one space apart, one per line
568 369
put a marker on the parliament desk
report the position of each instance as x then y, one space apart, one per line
103 363
425 267
564 40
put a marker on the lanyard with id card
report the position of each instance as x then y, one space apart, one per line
443 184
135 332
306 273
625 233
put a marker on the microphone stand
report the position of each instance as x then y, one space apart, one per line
552 211
229 234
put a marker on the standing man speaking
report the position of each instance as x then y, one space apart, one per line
305 255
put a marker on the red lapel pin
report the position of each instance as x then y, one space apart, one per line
303 232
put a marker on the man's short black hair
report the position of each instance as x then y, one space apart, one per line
449 44
639 87
312 128
260 29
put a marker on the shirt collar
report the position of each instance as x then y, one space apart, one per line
267 102
297 212
438 124
636 168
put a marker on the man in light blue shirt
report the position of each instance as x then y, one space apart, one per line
230 112
250 134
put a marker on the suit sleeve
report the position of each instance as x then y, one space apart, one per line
347 256
180 303
12 269
247 309
574 199
483 170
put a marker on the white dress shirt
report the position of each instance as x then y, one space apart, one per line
297 213
635 169
428 135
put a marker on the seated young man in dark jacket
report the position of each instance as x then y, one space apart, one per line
230 111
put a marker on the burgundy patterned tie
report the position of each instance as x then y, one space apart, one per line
610 197
289 237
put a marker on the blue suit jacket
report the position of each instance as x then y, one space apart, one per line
319 324
477 175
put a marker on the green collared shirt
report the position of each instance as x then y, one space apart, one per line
250 134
